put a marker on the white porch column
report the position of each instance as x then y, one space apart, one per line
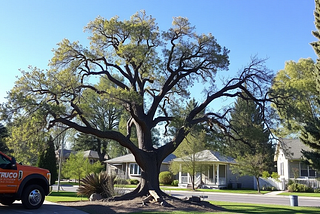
213 174
126 172
218 179
180 175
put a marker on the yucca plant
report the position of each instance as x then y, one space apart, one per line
100 183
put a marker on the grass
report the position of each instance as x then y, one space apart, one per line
305 194
125 185
232 207
238 191
67 183
65 197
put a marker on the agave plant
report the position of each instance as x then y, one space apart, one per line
100 183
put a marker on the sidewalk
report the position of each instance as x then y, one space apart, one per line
273 193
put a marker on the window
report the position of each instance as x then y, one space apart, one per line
303 170
307 171
4 161
134 169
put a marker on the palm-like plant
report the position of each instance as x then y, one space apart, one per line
100 183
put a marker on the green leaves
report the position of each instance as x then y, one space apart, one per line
294 89
78 167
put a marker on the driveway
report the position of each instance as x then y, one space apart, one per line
46 208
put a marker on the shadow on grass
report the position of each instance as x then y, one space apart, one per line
266 210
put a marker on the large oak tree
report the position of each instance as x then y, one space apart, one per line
157 70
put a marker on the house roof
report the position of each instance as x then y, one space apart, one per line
66 153
209 156
292 148
91 154
129 158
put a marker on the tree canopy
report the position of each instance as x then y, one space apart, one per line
250 142
310 132
151 72
296 88
3 135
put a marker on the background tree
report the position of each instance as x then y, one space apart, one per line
47 160
152 82
3 135
103 114
77 167
296 88
252 165
187 151
310 132
27 138
250 140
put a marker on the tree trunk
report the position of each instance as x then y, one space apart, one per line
150 169
258 184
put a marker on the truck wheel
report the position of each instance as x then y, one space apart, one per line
32 197
6 201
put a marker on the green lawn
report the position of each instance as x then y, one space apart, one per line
252 208
238 191
64 196
231 207
306 194
67 183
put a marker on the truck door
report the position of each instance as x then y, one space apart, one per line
8 175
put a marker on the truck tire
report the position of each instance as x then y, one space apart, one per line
33 196
6 201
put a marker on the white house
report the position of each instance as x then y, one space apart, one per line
125 166
216 172
290 165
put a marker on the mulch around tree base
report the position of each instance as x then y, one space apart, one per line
136 205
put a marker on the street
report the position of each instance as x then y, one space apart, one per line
248 198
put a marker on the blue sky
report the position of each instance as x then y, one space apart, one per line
279 30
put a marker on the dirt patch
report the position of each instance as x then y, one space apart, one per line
136 205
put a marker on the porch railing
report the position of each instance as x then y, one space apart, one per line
313 183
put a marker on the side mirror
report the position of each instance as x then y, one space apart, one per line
13 163
13 160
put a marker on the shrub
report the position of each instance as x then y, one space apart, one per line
296 187
121 181
317 190
290 182
265 174
175 183
165 177
134 181
100 183
275 176
293 187
268 188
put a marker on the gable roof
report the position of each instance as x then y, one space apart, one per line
292 148
91 154
209 156
129 158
